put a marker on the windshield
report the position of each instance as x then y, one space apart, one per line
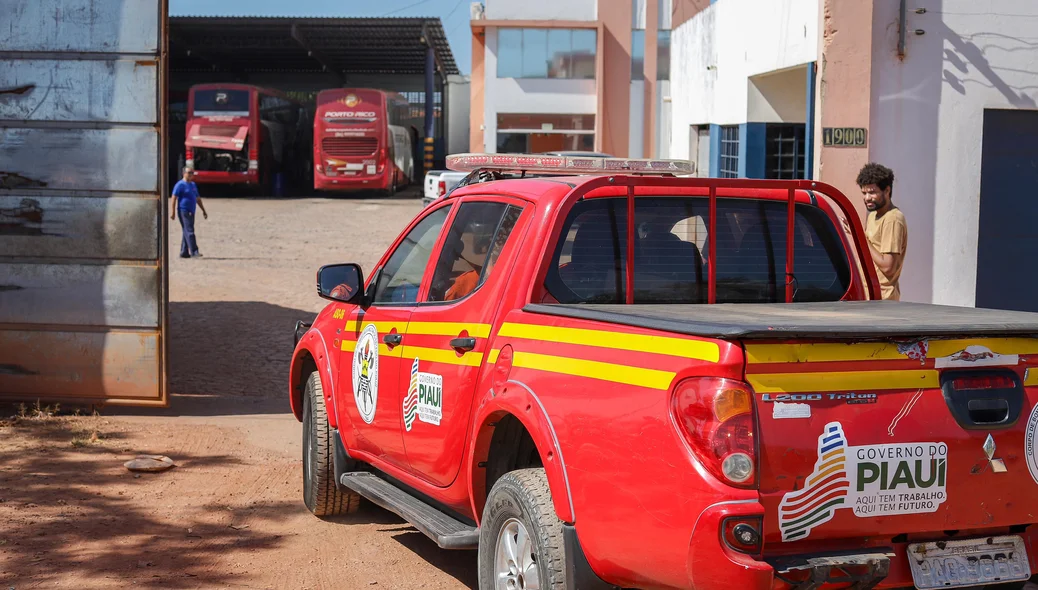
671 252
234 103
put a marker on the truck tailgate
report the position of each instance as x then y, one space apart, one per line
876 418
883 438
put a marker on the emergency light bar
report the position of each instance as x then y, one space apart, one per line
566 164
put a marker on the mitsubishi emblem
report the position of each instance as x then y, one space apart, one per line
997 465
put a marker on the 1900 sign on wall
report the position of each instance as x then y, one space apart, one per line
844 136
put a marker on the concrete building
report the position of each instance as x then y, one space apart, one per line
945 92
571 75
458 97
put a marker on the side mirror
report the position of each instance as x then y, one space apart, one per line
340 282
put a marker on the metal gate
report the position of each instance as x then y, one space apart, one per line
82 227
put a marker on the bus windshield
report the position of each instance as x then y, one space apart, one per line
234 103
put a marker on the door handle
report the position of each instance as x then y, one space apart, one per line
393 339
463 344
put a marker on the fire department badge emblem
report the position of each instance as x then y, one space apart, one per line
365 373
1030 436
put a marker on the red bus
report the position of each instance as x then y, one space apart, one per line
364 139
241 134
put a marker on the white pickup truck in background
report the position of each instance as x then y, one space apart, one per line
440 182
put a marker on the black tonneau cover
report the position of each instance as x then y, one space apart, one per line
857 320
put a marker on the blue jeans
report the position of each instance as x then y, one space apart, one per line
188 244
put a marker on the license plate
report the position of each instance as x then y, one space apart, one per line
354 167
969 562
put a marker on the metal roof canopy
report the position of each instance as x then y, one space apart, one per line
340 46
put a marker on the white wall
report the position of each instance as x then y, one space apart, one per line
636 121
778 98
927 123
513 95
584 10
458 101
735 39
664 120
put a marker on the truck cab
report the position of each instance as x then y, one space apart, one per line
602 373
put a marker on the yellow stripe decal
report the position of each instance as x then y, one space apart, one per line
448 329
878 351
842 381
354 327
441 355
492 358
627 375
435 355
384 350
423 328
694 349
1031 377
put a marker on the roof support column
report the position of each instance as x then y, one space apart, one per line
430 89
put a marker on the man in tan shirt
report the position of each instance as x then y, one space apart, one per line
885 229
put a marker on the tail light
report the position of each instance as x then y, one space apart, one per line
441 189
382 155
715 416
253 157
742 533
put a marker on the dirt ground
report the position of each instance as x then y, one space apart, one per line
230 514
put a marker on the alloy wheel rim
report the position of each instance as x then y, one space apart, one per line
515 566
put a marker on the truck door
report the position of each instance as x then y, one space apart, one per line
446 341
372 343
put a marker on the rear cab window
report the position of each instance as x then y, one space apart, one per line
671 252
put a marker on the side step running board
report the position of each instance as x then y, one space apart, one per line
447 531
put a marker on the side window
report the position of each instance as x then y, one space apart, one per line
402 275
473 245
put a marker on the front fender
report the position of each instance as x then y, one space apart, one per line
313 347
520 401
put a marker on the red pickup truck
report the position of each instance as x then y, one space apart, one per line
603 373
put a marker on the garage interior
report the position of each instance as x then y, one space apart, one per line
302 56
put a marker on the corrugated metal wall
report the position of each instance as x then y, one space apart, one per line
82 224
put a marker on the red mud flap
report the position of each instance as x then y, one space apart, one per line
809 572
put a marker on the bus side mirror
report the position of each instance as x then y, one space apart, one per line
341 282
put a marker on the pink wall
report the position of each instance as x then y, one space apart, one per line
614 87
477 82
844 89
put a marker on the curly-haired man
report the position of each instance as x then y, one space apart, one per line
885 229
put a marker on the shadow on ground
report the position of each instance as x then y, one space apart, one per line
227 358
72 510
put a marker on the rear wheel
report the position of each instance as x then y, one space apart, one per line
321 493
520 539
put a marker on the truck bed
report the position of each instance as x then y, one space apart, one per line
858 320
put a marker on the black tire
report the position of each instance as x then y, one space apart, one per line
523 495
321 494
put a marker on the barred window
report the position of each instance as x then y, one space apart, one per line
784 151
729 157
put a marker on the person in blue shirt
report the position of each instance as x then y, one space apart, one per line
186 194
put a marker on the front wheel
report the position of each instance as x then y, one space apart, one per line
321 494
520 538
